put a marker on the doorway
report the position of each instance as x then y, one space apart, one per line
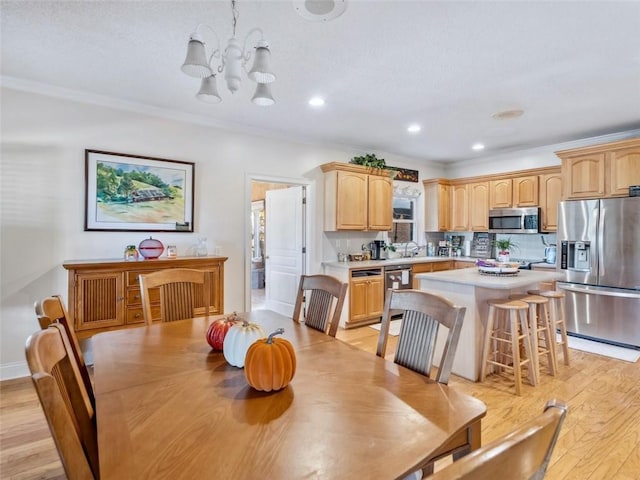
275 267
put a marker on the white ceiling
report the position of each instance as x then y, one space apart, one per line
572 66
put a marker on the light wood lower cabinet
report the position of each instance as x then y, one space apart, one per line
366 299
429 267
105 295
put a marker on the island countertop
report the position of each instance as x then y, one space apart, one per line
471 276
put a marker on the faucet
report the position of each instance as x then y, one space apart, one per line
414 250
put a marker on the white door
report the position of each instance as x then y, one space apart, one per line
284 245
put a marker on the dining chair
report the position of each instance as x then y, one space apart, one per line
65 401
422 315
184 293
323 297
524 453
52 310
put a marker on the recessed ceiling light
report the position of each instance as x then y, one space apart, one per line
508 114
316 102
414 128
320 10
477 146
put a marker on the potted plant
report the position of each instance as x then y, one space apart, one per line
504 247
370 160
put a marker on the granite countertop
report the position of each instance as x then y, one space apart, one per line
395 261
471 276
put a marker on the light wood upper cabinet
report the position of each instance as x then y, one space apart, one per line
622 170
550 196
584 176
514 192
459 208
356 199
525 191
380 203
501 193
600 171
479 206
437 205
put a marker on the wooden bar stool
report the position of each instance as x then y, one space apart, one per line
556 320
542 341
506 329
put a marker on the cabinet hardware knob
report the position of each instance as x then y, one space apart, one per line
137 315
137 297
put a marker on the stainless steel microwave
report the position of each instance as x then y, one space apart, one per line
514 220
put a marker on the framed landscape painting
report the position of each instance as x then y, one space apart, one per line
132 193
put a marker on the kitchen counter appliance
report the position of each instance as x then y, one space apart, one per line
600 253
514 220
398 277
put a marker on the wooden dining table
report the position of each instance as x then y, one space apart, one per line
169 407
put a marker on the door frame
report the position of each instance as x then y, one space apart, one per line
308 221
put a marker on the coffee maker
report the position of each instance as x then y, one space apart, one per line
376 247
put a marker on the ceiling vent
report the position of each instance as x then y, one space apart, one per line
320 10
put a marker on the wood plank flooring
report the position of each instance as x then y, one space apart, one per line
600 438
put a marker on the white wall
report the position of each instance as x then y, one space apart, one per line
42 193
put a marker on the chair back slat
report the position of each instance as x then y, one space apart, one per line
416 343
323 298
422 315
184 293
65 401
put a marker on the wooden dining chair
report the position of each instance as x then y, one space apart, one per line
65 401
184 293
323 297
52 310
422 315
524 453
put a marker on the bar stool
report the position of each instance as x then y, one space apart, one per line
540 330
556 320
503 337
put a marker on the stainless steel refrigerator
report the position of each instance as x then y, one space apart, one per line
599 249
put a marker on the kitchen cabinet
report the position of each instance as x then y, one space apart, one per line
357 198
427 267
550 196
514 192
501 193
366 297
478 206
105 294
600 171
437 205
458 264
459 208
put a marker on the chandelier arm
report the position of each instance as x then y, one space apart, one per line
246 55
216 53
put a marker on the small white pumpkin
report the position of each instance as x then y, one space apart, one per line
238 340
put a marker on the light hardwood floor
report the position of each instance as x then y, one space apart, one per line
600 438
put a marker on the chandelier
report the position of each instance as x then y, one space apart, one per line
231 62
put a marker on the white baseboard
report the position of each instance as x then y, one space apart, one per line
12 370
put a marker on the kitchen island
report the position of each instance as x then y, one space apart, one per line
469 288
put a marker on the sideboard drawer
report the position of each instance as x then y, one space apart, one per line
134 297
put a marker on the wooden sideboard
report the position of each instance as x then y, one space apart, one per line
105 294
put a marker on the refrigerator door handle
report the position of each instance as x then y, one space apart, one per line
600 240
591 291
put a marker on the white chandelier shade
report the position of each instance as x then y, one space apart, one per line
232 61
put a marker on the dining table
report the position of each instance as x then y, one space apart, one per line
168 406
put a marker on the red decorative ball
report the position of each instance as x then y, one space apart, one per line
151 248
218 330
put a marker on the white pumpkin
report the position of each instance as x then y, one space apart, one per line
238 340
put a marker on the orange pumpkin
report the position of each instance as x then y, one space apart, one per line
270 363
